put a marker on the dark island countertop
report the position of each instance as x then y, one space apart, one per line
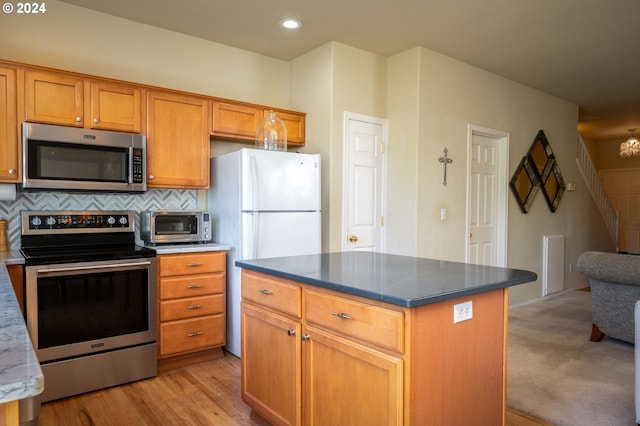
400 280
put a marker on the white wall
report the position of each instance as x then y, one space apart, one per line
311 79
326 82
81 40
454 94
403 107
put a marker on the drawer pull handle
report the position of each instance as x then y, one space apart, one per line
305 337
195 333
194 286
194 307
191 265
291 332
341 315
265 291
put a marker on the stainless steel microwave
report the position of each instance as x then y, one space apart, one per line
70 158
167 226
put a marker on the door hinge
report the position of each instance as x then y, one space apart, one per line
381 220
381 148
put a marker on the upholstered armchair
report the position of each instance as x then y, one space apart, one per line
615 288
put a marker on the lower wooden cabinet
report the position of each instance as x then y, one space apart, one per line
192 303
361 385
17 281
313 356
312 368
271 360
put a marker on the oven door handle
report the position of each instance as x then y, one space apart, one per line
49 270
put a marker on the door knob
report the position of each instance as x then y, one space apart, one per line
353 238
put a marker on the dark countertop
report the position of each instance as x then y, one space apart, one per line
399 280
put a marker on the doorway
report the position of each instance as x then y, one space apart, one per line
364 177
488 153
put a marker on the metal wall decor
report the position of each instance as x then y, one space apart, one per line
445 162
538 170
525 183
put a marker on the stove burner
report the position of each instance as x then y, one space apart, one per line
79 236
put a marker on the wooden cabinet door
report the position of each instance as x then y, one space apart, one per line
235 121
347 384
295 123
115 107
177 141
271 365
54 98
9 141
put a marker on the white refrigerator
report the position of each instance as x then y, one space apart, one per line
263 204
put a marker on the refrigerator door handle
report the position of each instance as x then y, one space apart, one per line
254 183
254 239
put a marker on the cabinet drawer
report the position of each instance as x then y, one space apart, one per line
191 263
192 335
379 326
192 285
192 307
271 293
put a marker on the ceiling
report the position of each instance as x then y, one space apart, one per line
584 51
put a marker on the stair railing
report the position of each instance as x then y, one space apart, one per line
594 184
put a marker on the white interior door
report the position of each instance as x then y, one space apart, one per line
364 177
487 204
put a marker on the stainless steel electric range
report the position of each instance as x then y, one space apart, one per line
90 295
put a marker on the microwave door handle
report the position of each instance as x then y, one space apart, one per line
130 174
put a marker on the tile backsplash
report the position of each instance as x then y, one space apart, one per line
153 199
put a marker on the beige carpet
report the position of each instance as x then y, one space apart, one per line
555 373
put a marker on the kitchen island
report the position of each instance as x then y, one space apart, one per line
371 338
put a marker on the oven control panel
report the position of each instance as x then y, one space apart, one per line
76 221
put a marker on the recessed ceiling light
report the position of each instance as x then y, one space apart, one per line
290 23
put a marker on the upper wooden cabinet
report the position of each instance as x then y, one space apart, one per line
115 107
235 121
177 141
295 122
231 120
54 98
9 140
74 101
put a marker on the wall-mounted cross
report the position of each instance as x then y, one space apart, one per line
445 161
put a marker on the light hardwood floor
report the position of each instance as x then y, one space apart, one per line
207 393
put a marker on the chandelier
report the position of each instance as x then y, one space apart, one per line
630 147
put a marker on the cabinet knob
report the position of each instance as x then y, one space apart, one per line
78 119
194 307
194 286
195 333
96 121
151 177
291 332
12 171
264 291
305 337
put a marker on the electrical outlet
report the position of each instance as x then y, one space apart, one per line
462 311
